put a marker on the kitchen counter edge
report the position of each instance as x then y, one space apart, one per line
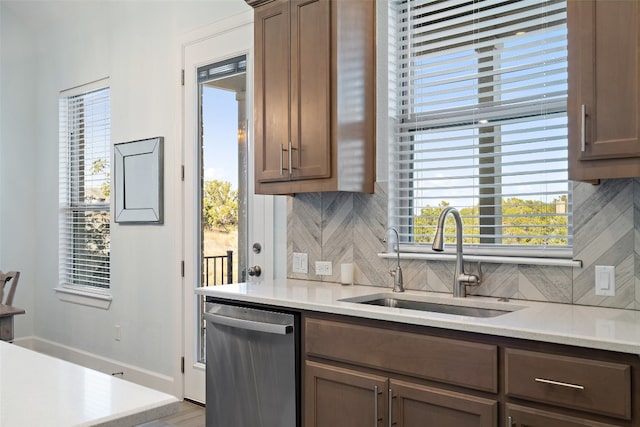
584 326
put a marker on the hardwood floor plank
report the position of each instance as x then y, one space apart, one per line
189 415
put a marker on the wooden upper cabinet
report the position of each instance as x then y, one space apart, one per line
271 98
604 89
314 101
311 89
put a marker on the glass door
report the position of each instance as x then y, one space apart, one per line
223 188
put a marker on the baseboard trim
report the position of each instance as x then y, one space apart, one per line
131 373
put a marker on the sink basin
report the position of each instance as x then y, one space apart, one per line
429 306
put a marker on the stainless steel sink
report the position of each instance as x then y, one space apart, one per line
430 306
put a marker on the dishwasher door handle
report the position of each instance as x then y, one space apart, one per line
250 325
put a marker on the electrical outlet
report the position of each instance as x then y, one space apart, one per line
606 280
323 268
300 263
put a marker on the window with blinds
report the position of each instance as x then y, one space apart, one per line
84 192
481 122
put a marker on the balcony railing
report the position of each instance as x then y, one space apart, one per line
218 269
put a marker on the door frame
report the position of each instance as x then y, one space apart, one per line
237 31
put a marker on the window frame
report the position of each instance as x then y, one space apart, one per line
545 255
74 202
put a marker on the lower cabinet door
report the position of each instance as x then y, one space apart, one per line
416 405
521 416
338 397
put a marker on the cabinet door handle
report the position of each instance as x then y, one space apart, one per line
390 406
375 406
583 128
291 150
281 154
561 384
290 159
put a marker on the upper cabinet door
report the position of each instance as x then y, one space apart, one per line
271 99
604 92
311 88
314 102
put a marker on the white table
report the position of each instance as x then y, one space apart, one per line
39 390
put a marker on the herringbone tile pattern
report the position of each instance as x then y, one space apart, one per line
337 231
370 223
603 224
304 226
349 227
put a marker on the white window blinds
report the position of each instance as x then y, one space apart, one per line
84 236
481 121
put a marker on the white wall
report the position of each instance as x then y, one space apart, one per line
137 45
18 195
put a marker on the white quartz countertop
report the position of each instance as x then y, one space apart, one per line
591 327
38 390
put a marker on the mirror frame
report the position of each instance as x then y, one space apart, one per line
138 181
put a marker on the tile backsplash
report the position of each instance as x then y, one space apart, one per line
348 228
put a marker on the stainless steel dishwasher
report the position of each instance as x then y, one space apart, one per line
252 367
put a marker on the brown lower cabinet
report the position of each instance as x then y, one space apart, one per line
521 416
339 397
415 405
360 372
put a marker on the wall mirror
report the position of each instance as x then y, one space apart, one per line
139 181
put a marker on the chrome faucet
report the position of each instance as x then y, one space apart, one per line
397 273
461 280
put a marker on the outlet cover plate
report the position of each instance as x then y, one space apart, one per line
323 268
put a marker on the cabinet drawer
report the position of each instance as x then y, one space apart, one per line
588 385
468 364
521 416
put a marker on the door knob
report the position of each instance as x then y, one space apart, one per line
255 271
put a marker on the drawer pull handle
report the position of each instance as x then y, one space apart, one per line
375 406
574 386
390 407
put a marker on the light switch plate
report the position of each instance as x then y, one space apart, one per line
606 280
300 263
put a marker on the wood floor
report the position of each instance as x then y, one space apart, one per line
189 415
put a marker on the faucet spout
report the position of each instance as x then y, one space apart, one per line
438 240
461 280
398 285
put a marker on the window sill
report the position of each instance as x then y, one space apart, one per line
83 297
556 262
